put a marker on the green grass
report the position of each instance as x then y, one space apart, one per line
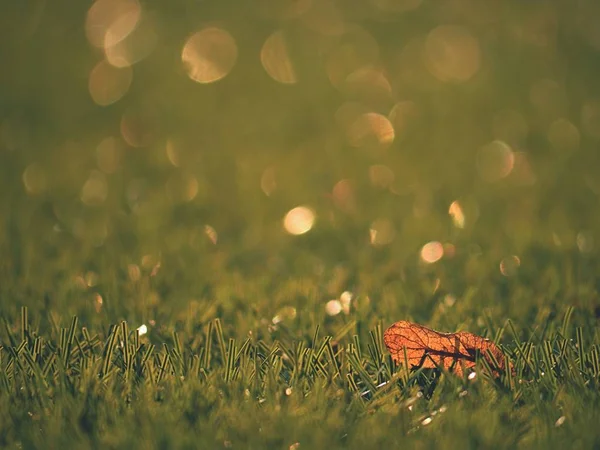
81 388
165 209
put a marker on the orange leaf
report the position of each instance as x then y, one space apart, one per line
429 348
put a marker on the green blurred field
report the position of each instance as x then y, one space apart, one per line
151 152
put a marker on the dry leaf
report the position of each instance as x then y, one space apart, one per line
429 348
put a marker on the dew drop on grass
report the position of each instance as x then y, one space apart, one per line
427 421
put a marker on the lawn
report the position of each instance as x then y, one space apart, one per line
210 213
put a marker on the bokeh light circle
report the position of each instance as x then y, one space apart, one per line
108 84
370 129
333 307
452 53
34 179
299 220
432 252
276 60
209 55
457 214
111 21
495 161
510 265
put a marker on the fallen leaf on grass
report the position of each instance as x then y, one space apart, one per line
430 349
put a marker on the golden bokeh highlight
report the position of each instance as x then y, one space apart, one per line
509 266
449 250
108 84
34 179
333 307
343 196
370 130
275 58
211 234
299 220
134 272
585 241
432 252
98 302
495 161
403 115
173 154
209 55
452 54
182 187
382 232
268 181
369 84
522 173
285 313
138 129
457 214
135 47
346 298
111 21
364 128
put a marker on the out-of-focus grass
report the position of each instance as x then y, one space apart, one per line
468 128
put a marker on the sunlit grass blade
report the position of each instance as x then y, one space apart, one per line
580 349
208 345
24 323
108 350
566 320
220 340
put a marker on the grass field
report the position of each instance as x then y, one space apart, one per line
210 212
75 388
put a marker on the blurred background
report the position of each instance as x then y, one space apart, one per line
299 160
